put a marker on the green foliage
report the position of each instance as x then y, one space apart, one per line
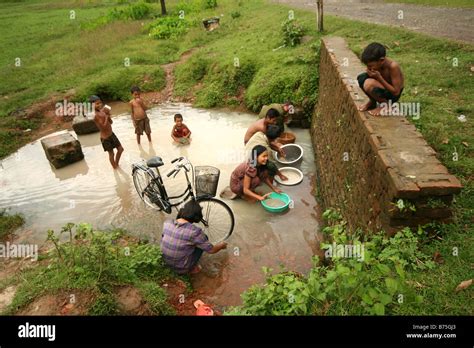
292 32
372 284
105 304
134 11
97 261
168 27
156 298
235 14
115 84
208 4
8 223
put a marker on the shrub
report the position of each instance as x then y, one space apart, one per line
115 84
235 14
209 4
8 223
373 285
168 27
292 33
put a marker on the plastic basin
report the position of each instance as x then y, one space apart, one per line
280 196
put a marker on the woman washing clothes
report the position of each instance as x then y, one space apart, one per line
251 174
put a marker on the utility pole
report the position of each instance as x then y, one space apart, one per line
320 15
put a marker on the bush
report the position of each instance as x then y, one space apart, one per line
8 223
168 27
115 84
209 4
235 14
292 33
134 11
372 285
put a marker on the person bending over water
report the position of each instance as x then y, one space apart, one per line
248 175
266 139
183 243
108 139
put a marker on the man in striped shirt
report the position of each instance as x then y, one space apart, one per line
183 243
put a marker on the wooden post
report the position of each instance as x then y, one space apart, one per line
320 15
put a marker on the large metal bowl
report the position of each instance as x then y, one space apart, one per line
294 155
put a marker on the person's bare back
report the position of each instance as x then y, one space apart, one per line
259 126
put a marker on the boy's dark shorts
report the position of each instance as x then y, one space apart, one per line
381 92
142 125
110 143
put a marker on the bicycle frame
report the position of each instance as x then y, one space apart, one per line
158 180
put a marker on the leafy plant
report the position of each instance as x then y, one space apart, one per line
292 32
168 27
235 14
209 4
372 285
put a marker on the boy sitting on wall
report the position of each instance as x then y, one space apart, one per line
382 82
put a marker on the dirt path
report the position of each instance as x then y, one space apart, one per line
451 23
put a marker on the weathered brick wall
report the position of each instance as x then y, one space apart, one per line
365 164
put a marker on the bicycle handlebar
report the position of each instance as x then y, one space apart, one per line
177 159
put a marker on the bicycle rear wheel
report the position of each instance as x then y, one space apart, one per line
218 219
146 188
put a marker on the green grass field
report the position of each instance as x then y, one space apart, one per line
57 55
441 3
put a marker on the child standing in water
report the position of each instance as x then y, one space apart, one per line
140 119
180 132
108 139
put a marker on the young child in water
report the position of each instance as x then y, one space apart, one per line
180 132
382 82
140 119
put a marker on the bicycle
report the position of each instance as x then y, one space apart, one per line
218 219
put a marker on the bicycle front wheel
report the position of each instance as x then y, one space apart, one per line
218 219
146 188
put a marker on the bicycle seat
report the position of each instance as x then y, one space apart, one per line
154 162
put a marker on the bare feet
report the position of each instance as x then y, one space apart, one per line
367 106
378 111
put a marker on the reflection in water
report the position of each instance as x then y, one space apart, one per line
91 191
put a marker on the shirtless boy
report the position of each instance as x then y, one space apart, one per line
107 137
261 125
382 82
139 116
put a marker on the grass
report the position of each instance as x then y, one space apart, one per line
441 3
59 55
95 262
8 223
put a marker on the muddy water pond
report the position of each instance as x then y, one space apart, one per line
90 191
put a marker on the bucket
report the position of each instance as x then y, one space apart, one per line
286 138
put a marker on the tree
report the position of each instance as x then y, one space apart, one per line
163 7
320 15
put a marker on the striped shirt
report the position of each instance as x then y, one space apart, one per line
179 243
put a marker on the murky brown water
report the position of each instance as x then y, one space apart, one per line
91 191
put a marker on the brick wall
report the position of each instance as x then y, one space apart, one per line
365 164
